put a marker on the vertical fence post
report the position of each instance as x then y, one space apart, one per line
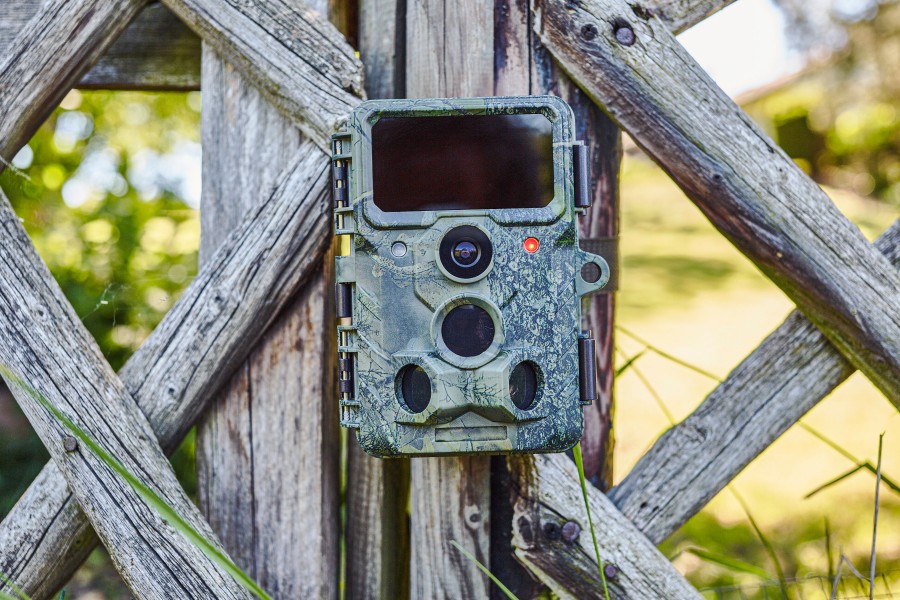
377 531
449 52
523 66
268 449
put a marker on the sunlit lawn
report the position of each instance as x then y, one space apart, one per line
688 291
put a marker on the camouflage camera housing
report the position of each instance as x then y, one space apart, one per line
459 297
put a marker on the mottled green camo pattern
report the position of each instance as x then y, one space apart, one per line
398 304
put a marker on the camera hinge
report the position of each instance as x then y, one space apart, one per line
587 369
582 171
340 163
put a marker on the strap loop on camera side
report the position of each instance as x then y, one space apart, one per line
608 248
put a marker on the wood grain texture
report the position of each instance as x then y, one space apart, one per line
377 530
50 52
523 66
155 52
449 53
751 191
192 353
268 449
789 373
550 498
680 15
300 62
44 343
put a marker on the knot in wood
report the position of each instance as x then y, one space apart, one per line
589 32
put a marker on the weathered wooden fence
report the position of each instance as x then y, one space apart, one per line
246 353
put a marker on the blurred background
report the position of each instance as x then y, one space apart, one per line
109 190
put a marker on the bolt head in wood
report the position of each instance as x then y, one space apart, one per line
570 531
610 570
625 34
70 444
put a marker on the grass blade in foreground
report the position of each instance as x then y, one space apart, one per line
484 570
577 453
19 594
148 495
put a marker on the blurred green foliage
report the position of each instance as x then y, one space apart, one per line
840 118
101 190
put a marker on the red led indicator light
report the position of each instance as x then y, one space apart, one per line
532 245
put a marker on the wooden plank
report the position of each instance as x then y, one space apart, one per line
278 409
188 357
789 373
553 539
156 51
449 53
522 66
680 15
300 62
45 344
750 189
48 56
378 554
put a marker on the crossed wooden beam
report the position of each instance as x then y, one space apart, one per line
626 58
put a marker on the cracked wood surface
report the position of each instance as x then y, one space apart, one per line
552 537
449 53
751 191
43 342
52 50
155 52
377 530
188 357
268 447
680 15
300 62
782 379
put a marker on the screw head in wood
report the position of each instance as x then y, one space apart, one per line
610 570
570 531
625 34
70 444
589 32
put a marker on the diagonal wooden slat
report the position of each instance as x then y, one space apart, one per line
756 196
552 538
789 373
300 62
45 344
679 15
189 356
47 57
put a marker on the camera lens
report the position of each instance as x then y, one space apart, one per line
414 386
523 384
468 330
466 253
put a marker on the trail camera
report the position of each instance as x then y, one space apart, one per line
459 298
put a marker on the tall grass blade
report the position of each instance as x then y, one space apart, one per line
668 356
484 570
875 520
576 451
19 593
728 562
867 465
629 361
770 549
148 495
646 382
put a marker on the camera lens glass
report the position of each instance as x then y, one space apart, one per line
465 252
523 383
415 388
468 330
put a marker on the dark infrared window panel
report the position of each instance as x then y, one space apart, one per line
462 162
